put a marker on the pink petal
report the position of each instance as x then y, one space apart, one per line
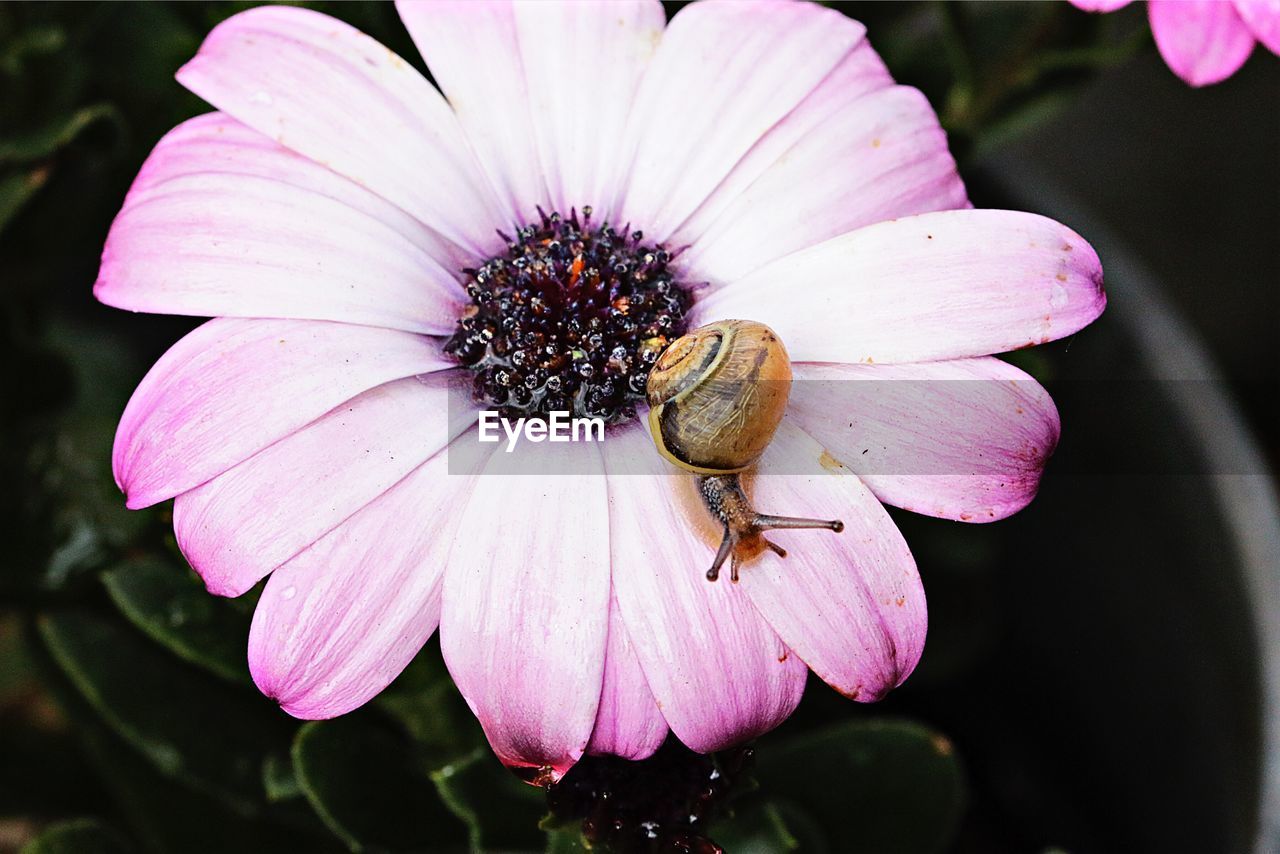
217 143
720 675
628 723
1100 5
337 623
965 440
724 73
506 69
850 604
473 53
526 604
935 286
1203 41
232 387
224 222
861 72
603 48
326 90
1263 20
247 521
881 157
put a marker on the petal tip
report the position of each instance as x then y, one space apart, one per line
134 500
303 711
542 776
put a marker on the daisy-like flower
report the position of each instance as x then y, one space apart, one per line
339 218
1205 41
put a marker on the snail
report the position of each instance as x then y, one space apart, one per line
716 397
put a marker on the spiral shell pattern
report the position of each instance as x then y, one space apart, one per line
717 395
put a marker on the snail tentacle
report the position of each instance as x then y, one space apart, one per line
743 526
775 523
726 548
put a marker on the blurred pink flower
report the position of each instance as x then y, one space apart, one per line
1205 41
325 217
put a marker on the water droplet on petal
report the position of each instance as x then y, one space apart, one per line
289 592
261 97
1058 297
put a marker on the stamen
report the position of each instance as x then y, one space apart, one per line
571 318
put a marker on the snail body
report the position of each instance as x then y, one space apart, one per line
716 397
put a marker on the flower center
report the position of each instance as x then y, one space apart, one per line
570 319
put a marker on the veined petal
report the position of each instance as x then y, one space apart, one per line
1203 41
338 622
883 156
724 73
860 73
526 604
298 77
721 676
965 440
940 285
583 62
241 525
850 604
217 143
473 53
543 90
233 386
1263 19
628 722
221 221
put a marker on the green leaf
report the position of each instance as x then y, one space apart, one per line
164 813
279 779
72 518
15 669
360 775
171 817
567 841
54 135
424 700
757 828
168 602
188 725
500 811
42 772
35 40
17 187
1020 117
884 786
79 836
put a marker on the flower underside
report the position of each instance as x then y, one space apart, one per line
570 319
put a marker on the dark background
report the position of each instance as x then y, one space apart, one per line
1095 660
1191 179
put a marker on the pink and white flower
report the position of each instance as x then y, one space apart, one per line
1205 41
325 217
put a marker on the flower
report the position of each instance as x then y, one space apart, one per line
1205 41
339 220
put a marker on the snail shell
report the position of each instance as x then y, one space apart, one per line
717 396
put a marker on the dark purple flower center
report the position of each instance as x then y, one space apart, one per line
570 319
664 803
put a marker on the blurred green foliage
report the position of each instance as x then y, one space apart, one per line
993 70
129 719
